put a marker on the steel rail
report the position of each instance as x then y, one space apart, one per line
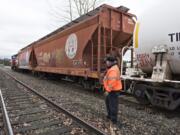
6 120
59 108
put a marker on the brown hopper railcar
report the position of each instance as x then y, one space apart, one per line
79 48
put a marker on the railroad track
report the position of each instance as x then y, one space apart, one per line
5 126
32 113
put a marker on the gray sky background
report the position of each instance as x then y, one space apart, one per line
24 21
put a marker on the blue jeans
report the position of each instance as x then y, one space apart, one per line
112 106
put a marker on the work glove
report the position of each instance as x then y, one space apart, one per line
106 93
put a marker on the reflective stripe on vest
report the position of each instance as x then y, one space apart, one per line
112 78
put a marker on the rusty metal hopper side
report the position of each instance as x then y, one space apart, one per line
90 16
77 21
110 25
114 32
52 56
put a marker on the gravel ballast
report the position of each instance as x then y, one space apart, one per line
90 106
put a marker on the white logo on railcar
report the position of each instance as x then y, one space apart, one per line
71 46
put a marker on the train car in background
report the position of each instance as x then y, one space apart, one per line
14 62
155 68
78 49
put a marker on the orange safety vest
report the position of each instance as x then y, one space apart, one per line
112 80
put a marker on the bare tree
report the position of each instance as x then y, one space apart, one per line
84 6
72 10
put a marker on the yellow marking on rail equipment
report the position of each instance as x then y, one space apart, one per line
136 35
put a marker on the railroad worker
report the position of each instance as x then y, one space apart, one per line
113 86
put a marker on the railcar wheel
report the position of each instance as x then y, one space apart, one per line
139 93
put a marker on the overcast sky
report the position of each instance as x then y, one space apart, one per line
24 21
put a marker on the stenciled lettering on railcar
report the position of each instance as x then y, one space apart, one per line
77 62
71 46
174 37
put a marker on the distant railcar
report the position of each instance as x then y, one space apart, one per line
79 48
14 62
